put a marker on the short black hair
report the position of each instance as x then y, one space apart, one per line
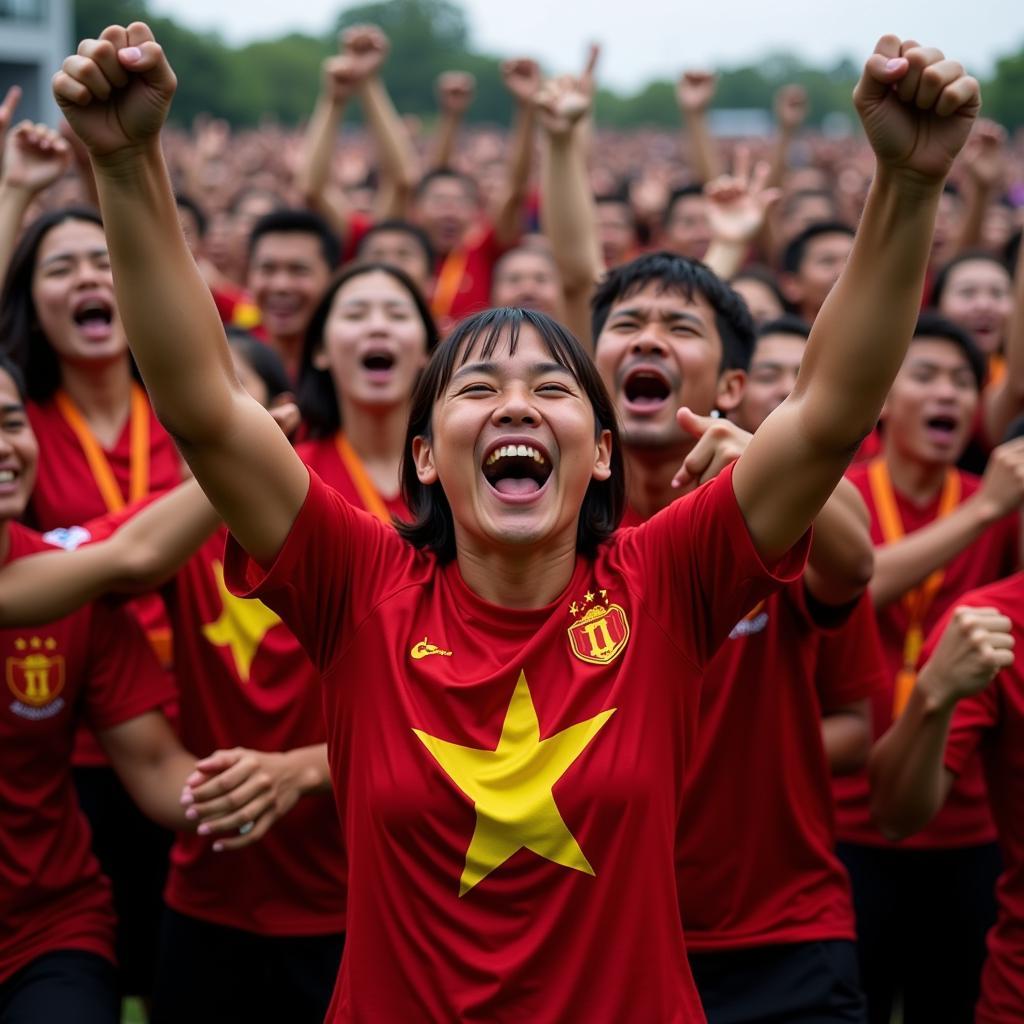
763 275
262 360
446 174
432 526
316 395
788 323
673 273
11 368
941 281
186 202
295 221
683 192
794 198
20 334
794 253
932 324
404 227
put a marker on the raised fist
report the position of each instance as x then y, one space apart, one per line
340 77
695 90
455 91
984 156
366 46
35 156
975 644
561 102
521 78
116 91
917 108
791 107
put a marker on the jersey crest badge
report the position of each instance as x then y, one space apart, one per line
601 633
36 675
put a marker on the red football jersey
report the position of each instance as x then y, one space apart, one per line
94 665
510 781
462 282
755 853
66 491
992 722
966 819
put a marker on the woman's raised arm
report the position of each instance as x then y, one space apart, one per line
116 92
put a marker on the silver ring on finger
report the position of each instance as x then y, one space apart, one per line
245 829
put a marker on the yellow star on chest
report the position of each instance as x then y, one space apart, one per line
511 788
242 625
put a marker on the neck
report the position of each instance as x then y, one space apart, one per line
103 395
512 578
918 481
649 473
378 437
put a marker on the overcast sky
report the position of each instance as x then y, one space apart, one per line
644 39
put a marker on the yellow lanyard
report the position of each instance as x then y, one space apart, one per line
99 465
368 495
449 281
919 600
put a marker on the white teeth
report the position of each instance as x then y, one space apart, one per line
6 476
522 451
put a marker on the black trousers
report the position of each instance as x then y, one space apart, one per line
66 985
922 917
209 974
793 983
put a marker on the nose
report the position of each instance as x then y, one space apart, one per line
648 342
515 408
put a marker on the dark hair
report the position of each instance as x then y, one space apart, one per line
684 192
11 368
794 253
316 395
1012 252
446 174
763 275
797 197
298 222
932 324
432 526
941 281
262 360
673 273
1014 430
788 323
20 335
404 227
186 202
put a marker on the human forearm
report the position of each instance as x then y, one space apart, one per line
846 737
318 148
1003 402
703 153
13 204
908 780
906 563
394 147
448 126
508 217
842 557
567 212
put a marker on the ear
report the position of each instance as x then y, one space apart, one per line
603 456
320 361
730 390
423 456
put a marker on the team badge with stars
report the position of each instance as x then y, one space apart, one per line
35 675
511 788
601 631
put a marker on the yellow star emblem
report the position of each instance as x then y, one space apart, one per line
242 625
511 788
588 597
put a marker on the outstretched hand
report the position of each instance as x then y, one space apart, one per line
117 90
719 443
917 108
35 156
739 203
561 103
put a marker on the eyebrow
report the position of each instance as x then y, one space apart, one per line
13 407
670 314
493 369
56 257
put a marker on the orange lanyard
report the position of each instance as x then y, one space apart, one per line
99 465
449 281
372 501
919 600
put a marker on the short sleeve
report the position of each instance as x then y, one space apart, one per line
124 679
850 664
973 718
696 569
336 564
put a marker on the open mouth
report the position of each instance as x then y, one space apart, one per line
378 362
942 427
517 470
646 388
93 317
